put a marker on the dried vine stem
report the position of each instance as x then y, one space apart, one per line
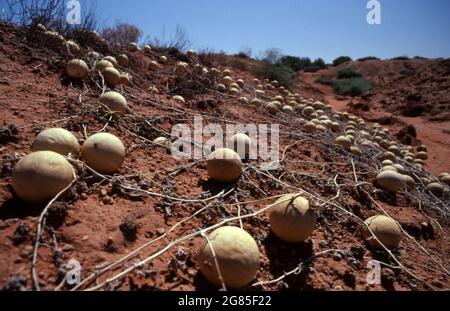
39 227
179 240
298 269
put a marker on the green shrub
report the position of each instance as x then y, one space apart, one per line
341 60
363 59
319 63
324 79
283 74
295 63
269 66
347 73
311 69
352 86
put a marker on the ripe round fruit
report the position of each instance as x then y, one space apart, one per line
389 156
115 102
387 163
162 141
122 59
308 110
102 65
390 180
237 256
179 99
192 53
57 140
422 155
240 82
147 49
181 67
422 148
385 229
409 181
241 143
227 80
445 178
111 76
310 127
152 65
436 189
111 59
243 100
256 102
272 107
71 48
103 152
77 69
389 168
126 79
400 168
292 220
234 92
224 165
41 175
344 141
133 47
288 110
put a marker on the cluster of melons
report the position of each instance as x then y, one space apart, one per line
71 47
107 68
41 28
181 68
45 172
55 38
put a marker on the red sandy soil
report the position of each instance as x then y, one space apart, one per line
91 222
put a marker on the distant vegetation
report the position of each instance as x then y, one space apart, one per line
348 82
121 34
51 14
401 58
348 73
316 65
341 60
351 87
295 63
179 40
271 67
363 59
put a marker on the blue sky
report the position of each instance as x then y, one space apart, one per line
313 28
